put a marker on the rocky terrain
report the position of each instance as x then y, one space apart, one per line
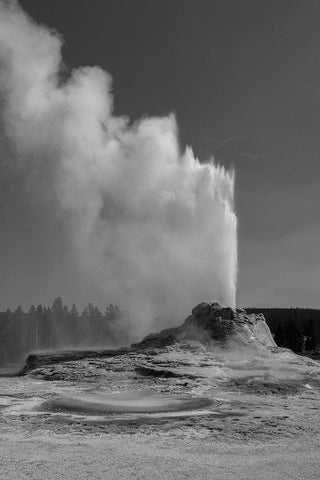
215 382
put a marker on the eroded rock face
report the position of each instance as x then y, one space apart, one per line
210 322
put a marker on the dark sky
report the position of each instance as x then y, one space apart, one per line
243 78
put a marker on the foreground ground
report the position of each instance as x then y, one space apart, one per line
235 416
84 456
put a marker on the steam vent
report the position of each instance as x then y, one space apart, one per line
210 322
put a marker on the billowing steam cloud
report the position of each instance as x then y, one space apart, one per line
153 227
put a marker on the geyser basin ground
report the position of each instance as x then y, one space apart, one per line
239 408
126 402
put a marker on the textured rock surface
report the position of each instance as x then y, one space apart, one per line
210 322
36 360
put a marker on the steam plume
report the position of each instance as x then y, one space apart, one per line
154 228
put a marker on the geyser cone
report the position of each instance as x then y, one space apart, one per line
215 326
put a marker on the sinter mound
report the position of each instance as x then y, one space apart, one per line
222 347
210 322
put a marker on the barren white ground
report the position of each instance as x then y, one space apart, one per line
261 419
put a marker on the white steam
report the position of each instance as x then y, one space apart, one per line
152 227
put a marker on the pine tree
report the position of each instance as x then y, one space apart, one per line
311 333
33 335
18 332
280 336
294 334
75 326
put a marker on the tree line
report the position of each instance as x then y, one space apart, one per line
58 327
294 328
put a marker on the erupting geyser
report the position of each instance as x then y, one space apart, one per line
153 227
